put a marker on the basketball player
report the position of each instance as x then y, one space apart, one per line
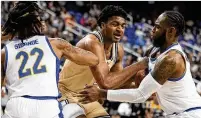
31 64
108 74
169 75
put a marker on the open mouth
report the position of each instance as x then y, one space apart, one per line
117 36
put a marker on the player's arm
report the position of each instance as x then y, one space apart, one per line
104 78
2 66
137 78
76 54
119 67
166 67
132 82
5 37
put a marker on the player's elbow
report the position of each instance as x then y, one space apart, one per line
104 82
103 85
94 61
107 85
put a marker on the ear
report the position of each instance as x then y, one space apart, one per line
172 31
102 24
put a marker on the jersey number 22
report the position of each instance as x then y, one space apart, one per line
36 70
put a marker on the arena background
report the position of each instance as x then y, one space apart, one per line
72 20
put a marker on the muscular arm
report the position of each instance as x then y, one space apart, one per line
137 78
170 66
104 77
75 54
6 37
164 69
2 66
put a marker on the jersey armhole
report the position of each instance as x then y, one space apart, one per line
48 42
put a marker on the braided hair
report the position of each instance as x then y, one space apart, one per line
23 20
175 19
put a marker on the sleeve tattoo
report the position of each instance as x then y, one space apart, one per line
164 69
70 48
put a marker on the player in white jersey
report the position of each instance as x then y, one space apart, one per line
31 64
169 77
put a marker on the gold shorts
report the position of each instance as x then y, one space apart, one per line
94 110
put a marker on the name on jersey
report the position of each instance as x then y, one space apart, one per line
20 45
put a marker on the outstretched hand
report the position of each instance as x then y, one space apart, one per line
89 94
144 61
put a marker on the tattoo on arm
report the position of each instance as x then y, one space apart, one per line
164 69
70 48
77 55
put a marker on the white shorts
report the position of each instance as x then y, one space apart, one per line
21 107
71 110
190 114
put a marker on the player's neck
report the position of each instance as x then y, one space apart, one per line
166 46
107 46
106 42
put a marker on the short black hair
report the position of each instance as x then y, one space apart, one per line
109 11
24 20
176 19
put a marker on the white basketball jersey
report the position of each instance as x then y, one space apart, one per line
178 94
32 68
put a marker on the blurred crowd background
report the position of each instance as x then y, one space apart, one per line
72 20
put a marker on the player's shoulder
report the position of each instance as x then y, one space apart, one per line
90 38
173 56
90 42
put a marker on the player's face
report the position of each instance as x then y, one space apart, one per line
114 28
158 34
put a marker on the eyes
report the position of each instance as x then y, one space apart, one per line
157 26
116 24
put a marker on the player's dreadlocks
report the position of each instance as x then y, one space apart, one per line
110 11
176 20
23 20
